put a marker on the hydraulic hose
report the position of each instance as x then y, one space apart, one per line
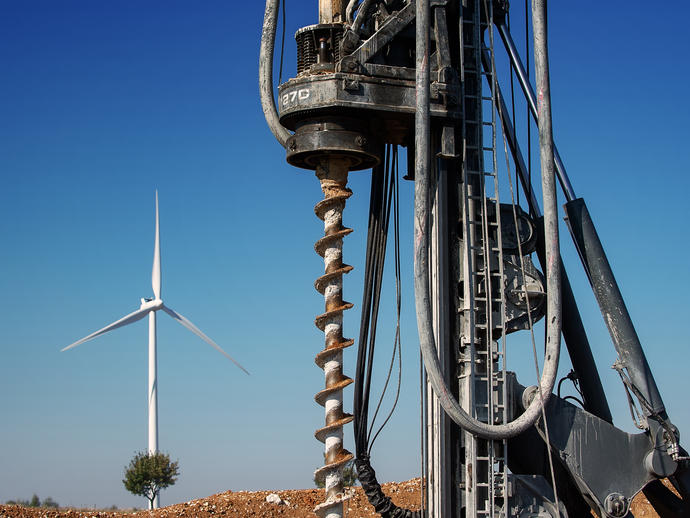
268 104
421 238
382 504
361 13
350 11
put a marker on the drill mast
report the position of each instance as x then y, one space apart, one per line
375 75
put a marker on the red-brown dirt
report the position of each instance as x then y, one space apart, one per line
296 503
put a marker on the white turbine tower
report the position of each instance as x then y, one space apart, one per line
149 307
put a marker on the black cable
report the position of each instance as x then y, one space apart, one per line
560 382
282 45
370 297
379 253
379 217
397 345
384 196
566 398
361 392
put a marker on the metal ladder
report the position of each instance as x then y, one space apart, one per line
482 357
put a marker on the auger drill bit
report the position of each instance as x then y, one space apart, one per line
332 173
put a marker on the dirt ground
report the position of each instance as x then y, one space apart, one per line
295 503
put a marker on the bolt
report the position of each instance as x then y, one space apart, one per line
292 145
616 505
360 140
332 173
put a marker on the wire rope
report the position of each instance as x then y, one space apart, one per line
531 323
512 105
528 118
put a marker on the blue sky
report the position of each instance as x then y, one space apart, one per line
104 102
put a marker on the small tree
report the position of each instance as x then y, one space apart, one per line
148 473
49 502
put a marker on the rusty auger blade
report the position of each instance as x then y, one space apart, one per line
333 176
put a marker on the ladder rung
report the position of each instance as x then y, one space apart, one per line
479 222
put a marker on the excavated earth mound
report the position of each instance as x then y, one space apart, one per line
290 503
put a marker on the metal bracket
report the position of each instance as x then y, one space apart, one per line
378 40
586 445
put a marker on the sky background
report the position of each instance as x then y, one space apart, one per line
101 103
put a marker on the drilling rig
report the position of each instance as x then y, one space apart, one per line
374 76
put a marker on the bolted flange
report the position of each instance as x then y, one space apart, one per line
332 137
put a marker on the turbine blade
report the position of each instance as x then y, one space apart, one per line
156 272
182 320
127 319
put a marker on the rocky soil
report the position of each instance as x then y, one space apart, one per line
291 503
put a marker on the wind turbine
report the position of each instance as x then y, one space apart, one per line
149 307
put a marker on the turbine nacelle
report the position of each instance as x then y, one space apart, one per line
151 304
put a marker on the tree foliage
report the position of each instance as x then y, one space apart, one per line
147 474
34 502
49 502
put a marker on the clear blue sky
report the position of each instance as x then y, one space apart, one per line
104 102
